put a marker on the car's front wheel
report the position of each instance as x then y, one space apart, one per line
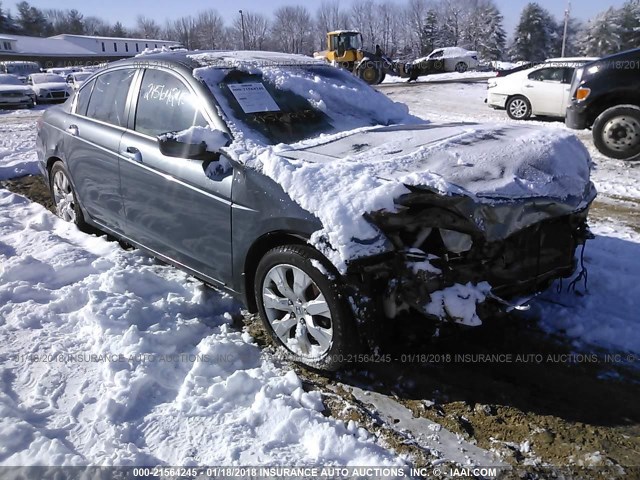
302 309
518 108
616 132
461 67
64 197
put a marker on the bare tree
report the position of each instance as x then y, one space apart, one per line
365 18
210 30
96 26
147 27
292 30
256 30
330 17
183 30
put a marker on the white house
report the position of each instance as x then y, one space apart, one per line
67 50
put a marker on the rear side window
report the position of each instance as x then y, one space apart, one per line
547 75
83 98
165 104
109 97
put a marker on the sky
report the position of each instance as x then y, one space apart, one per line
112 10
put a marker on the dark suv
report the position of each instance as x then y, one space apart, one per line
605 96
314 198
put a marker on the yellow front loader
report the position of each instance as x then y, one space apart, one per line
344 49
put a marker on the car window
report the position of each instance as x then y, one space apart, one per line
83 98
547 75
568 75
437 54
109 97
165 104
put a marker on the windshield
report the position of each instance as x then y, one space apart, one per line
22 68
47 78
292 103
350 41
10 80
81 77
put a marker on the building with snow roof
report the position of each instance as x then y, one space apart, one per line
67 50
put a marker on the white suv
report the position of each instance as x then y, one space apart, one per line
540 90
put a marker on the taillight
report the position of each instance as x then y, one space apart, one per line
582 93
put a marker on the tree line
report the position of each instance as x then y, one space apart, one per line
402 29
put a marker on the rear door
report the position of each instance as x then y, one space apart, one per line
544 89
172 206
91 144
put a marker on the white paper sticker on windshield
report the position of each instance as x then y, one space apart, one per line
253 97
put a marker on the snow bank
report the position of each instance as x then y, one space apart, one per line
111 359
17 150
605 315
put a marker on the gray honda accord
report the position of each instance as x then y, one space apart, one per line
314 198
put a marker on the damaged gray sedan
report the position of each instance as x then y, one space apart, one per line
322 204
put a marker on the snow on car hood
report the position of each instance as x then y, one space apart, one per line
50 86
481 161
15 88
338 178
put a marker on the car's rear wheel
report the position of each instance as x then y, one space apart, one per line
616 132
461 67
302 308
64 196
519 108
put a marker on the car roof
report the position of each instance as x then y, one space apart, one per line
572 59
220 58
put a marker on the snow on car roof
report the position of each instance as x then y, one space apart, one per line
265 58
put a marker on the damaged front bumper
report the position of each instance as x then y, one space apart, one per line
456 260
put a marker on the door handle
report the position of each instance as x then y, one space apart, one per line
133 153
73 130
528 86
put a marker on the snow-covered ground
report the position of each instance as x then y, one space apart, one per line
109 358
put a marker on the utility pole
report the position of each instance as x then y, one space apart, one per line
244 38
567 14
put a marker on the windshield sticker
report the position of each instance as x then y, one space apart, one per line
253 97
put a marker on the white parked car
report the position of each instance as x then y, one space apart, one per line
77 79
49 87
14 93
448 59
540 90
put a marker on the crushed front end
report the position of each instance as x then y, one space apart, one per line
455 256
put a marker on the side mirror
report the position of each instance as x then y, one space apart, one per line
171 146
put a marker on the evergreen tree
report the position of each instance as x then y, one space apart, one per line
429 37
32 21
629 16
573 45
118 30
492 38
603 35
75 22
535 35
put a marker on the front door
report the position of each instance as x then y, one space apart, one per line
173 206
544 89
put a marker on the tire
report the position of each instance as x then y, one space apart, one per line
64 197
370 73
518 108
461 67
616 132
322 339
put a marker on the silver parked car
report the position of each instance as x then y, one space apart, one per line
14 93
170 152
